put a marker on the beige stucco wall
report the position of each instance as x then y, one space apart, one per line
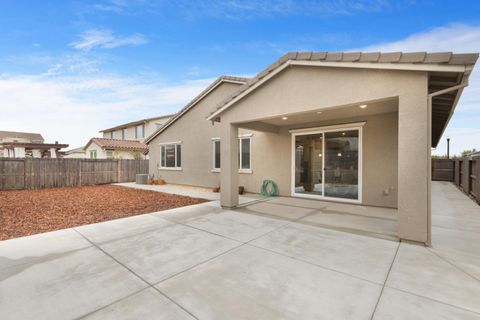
196 134
271 158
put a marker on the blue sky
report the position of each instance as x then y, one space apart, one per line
71 68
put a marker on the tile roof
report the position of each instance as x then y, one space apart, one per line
194 101
76 150
438 58
117 144
34 137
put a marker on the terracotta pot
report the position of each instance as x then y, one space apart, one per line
149 182
216 189
161 182
241 190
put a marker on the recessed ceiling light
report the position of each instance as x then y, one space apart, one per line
343 133
284 118
363 106
319 112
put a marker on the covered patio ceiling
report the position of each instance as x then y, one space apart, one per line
345 114
442 109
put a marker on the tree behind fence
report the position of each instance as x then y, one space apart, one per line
16 174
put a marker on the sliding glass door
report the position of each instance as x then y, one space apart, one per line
308 164
327 164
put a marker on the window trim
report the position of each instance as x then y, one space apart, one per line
163 144
106 154
93 152
240 138
124 131
214 169
143 131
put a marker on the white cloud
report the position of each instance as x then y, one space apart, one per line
459 38
103 38
72 109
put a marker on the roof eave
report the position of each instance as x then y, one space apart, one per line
359 65
210 88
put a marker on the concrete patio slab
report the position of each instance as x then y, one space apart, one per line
185 214
356 223
277 210
157 255
121 228
65 286
39 247
251 283
295 269
421 272
392 306
360 256
471 224
456 240
148 304
190 191
236 225
469 263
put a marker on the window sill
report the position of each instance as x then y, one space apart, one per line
244 171
170 169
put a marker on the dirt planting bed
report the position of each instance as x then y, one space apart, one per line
28 212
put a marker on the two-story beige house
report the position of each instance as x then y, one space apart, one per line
125 141
136 130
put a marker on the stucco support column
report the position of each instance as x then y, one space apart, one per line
229 165
414 149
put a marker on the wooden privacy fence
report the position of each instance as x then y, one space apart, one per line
443 169
467 172
16 174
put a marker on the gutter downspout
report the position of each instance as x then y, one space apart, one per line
463 84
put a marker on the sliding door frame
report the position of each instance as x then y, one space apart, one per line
322 130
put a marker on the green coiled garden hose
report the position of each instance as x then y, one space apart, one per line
269 192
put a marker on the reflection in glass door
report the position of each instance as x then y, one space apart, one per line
308 164
341 164
326 164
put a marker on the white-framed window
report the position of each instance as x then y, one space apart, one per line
140 131
109 154
93 154
111 134
244 155
124 133
171 156
216 153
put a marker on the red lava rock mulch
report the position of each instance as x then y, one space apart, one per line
27 212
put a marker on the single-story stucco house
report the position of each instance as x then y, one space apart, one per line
347 127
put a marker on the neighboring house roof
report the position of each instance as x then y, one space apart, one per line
76 150
34 137
33 145
194 101
473 154
439 62
136 123
117 144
